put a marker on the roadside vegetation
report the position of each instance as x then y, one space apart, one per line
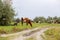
19 27
52 34
31 38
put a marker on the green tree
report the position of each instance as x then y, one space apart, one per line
59 19
55 19
36 19
49 19
42 19
6 13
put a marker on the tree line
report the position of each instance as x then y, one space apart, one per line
47 20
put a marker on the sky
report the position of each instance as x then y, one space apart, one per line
33 8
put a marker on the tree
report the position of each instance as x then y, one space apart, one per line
49 19
42 19
6 14
58 19
55 19
36 19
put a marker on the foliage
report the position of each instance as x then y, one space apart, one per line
17 20
47 20
39 19
42 19
6 14
36 19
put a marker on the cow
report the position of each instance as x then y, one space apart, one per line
26 20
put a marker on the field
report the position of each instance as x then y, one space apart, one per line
52 34
19 27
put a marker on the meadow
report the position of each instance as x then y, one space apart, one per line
52 34
19 27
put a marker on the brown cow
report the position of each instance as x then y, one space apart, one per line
26 20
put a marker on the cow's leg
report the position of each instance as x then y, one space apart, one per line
22 23
30 23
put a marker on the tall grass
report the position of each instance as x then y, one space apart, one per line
9 29
53 34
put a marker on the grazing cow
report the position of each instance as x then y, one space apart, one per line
26 20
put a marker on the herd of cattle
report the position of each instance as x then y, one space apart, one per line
28 21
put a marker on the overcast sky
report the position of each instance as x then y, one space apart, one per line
33 8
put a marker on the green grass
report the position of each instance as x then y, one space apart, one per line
32 38
19 26
5 38
9 29
53 34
